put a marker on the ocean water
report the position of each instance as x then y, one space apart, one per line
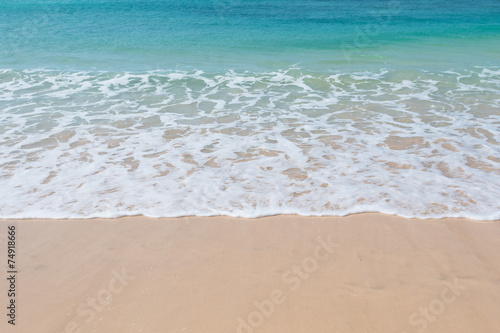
249 108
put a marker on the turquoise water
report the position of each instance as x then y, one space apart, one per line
230 34
249 108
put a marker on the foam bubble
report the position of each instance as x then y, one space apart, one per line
108 144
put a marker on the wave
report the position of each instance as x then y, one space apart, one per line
240 143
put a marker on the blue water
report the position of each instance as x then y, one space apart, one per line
214 34
249 108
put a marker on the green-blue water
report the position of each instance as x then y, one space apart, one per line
247 34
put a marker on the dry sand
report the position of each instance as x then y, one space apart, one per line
361 273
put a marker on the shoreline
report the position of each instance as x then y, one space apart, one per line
255 217
285 273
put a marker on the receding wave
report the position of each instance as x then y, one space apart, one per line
107 144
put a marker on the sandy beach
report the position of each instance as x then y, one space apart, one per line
118 117
361 273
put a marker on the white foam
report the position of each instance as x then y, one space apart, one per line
99 144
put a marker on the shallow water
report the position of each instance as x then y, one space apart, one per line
170 108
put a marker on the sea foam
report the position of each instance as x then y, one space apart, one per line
176 143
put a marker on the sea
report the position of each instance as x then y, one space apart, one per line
249 108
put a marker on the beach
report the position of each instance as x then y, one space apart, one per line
361 273
249 166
